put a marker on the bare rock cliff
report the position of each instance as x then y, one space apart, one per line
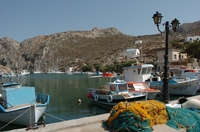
77 48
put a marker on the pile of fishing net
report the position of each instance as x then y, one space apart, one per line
142 115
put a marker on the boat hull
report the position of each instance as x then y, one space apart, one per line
23 115
116 101
187 87
21 105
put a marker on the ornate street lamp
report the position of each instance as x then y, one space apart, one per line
175 23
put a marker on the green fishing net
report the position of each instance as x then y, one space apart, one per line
183 118
129 122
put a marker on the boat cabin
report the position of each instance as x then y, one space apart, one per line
113 88
137 73
117 88
16 96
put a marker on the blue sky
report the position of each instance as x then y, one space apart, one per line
23 19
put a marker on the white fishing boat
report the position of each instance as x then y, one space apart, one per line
183 72
8 75
114 92
56 72
24 73
37 72
176 85
21 105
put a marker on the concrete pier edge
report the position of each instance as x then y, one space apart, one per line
92 123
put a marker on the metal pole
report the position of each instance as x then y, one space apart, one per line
141 58
166 79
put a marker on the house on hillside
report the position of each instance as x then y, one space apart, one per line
190 39
176 60
132 53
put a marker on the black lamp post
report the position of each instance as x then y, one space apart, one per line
175 23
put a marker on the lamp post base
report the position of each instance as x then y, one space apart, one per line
165 91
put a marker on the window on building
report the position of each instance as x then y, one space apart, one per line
175 57
159 69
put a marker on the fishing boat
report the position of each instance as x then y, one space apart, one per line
107 74
184 72
114 92
178 86
24 73
21 105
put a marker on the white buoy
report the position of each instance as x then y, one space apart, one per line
79 101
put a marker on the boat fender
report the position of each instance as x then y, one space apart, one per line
190 103
89 95
110 98
96 98
158 78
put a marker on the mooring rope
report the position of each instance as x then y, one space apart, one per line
30 117
15 118
52 116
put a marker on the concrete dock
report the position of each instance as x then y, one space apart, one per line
91 124
87 124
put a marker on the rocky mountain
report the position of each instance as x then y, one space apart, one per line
189 28
77 48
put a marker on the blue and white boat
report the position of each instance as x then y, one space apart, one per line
178 86
21 104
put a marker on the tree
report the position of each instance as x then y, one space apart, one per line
192 49
99 67
87 68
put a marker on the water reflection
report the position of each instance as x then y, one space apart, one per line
64 93
97 109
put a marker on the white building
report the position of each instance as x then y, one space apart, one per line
190 39
138 42
132 53
176 59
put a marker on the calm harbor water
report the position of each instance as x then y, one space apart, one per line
65 90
